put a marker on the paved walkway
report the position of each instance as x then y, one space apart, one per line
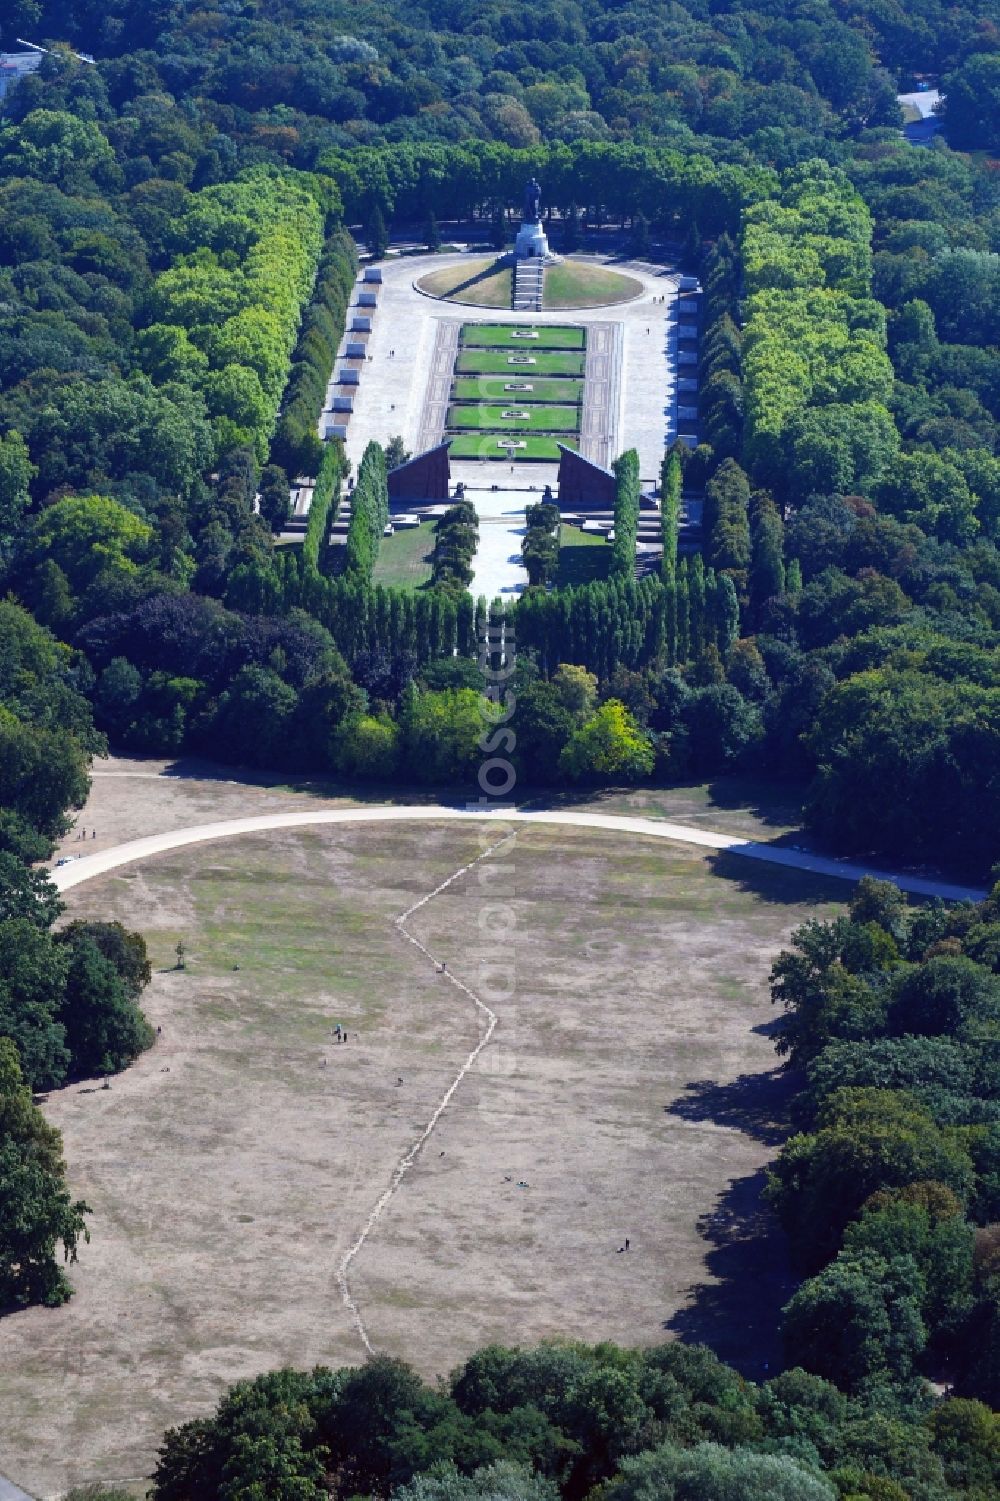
440 374
921 132
11 1492
497 568
601 394
88 866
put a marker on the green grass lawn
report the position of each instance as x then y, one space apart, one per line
404 559
484 446
485 282
512 336
580 284
493 362
538 419
564 392
583 556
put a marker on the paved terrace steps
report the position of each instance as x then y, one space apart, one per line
529 285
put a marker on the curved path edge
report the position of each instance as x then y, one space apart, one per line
86 867
11 1492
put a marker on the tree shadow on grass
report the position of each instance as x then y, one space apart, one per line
756 1104
771 802
767 801
768 1029
191 768
502 263
780 883
737 1314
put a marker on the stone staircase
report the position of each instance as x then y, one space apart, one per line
529 284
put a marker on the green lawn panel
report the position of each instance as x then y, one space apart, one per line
494 362
492 388
486 446
498 419
525 336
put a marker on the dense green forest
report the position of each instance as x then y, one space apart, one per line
175 266
670 1422
296 78
174 275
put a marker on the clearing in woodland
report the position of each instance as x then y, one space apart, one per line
630 1086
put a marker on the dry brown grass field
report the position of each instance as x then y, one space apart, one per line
630 1084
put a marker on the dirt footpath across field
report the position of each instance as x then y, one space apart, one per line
630 1089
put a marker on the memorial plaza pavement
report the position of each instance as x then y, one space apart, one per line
397 387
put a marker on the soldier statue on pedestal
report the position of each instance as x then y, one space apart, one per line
531 243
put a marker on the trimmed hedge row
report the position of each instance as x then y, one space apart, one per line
816 373
297 446
223 318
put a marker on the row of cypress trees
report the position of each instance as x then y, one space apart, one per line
630 623
624 622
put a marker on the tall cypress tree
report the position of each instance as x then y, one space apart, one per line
727 614
696 604
727 521
767 567
627 491
683 615
671 483
670 621
376 234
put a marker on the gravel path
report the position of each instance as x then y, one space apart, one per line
85 867
11 1492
